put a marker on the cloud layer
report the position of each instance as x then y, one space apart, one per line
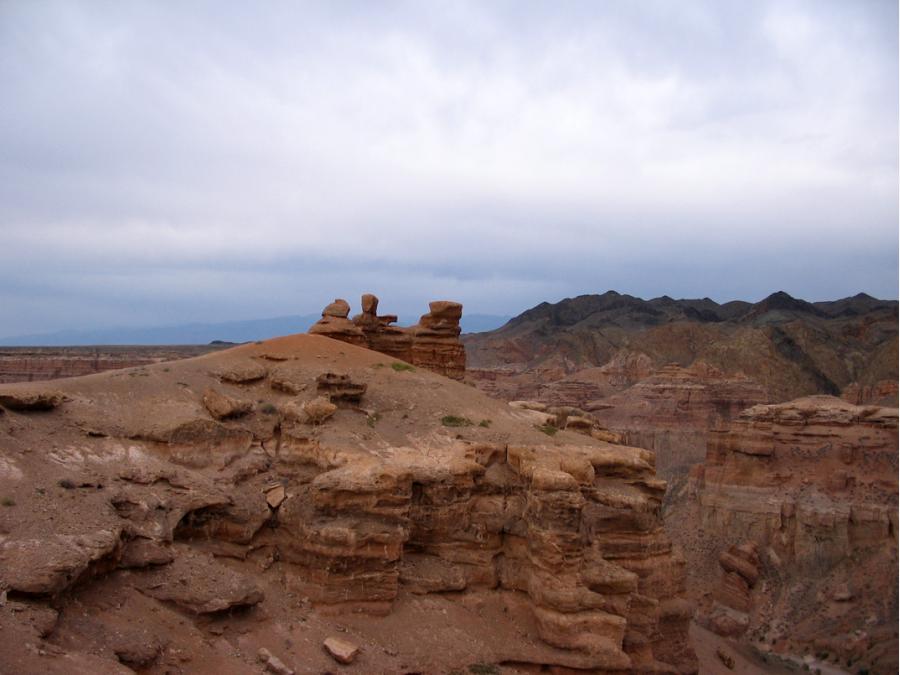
212 161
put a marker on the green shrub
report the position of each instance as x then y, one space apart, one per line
8 501
548 429
401 367
454 421
268 409
484 423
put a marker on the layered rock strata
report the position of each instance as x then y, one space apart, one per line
171 502
433 343
673 412
803 497
32 364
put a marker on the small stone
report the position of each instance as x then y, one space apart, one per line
275 496
726 659
340 650
842 594
263 654
277 666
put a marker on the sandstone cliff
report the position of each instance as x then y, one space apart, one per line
673 411
791 528
263 498
433 343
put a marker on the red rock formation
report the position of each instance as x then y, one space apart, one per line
561 538
883 392
673 411
813 484
433 343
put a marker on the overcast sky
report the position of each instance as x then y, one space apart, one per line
164 162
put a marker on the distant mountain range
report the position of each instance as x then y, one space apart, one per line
791 346
204 333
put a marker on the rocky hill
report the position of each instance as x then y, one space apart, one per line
791 347
790 529
287 505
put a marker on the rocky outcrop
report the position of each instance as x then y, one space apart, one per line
546 522
433 343
255 520
31 399
795 504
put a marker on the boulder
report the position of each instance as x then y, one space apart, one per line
339 309
318 410
340 650
221 406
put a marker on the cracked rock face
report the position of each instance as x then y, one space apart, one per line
138 504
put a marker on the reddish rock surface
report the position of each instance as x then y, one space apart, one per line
673 411
30 364
433 343
883 392
790 530
140 532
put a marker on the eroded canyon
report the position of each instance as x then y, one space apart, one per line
204 514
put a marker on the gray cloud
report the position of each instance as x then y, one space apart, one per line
206 162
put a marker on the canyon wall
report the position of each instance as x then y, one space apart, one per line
29 364
792 522
673 411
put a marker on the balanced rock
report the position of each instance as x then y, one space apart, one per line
339 309
433 343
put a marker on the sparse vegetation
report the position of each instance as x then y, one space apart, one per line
401 367
548 429
372 419
268 409
455 421
484 669
484 423
66 484
8 501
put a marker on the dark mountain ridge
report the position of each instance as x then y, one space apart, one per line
791 346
